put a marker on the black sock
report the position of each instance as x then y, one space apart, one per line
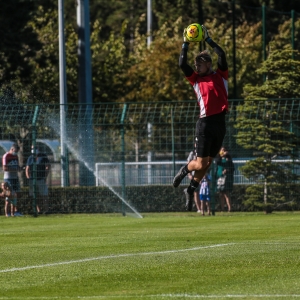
193 185
185 170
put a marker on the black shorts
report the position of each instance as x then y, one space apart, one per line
210 132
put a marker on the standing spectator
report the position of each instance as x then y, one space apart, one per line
195 196
211 89
10 199
225 172
42 170
205 194
11 168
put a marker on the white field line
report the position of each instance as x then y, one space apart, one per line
183 296
111 256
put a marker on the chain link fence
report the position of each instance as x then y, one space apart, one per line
129 150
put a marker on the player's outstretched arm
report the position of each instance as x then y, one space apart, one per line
222 62
186 69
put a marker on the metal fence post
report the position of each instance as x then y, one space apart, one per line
264 36
293 32
34 171
213 187
123 157
234 49
173 141
63 97
86 131
201 21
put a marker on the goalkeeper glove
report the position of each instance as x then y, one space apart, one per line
186 43
185 40
205 33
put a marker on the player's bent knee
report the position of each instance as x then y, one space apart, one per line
199 167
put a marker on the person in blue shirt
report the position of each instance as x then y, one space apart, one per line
205 194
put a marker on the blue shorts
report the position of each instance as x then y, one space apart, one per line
204 197
14 184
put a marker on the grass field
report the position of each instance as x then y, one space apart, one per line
162 256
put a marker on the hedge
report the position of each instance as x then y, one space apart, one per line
142 198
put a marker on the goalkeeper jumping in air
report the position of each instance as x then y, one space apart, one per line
211 89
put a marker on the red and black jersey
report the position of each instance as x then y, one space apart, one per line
211 92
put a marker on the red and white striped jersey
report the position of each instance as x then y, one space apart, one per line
211 92
12 161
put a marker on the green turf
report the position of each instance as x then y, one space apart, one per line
162 256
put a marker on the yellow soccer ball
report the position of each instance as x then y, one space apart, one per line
194 33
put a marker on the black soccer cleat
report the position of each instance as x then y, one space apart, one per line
179 176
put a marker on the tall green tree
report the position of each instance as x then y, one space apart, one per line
29 50
268 127
110 62
18 42
154 74
42 83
